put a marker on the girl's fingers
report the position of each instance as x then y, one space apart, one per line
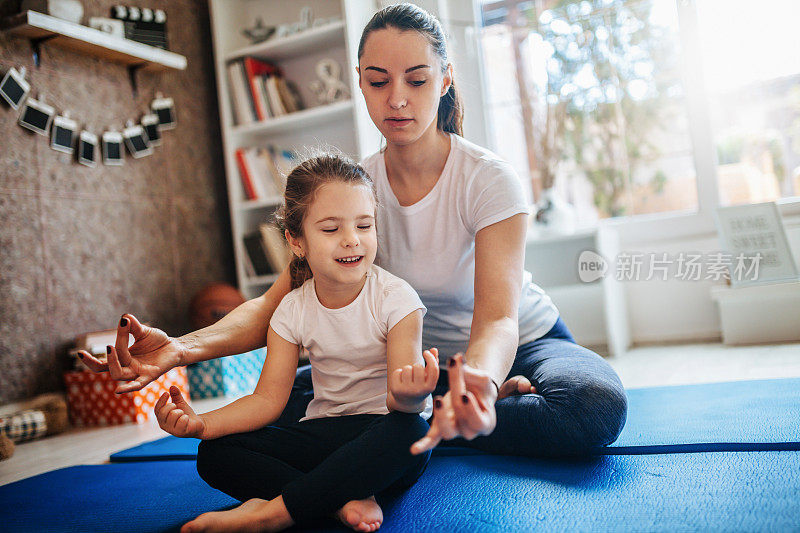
173 416
121 344
162 401
431 367
418 374
94 364
182 425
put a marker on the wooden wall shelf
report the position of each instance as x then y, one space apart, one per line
39 28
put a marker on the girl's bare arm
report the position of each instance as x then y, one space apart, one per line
411 375
267 402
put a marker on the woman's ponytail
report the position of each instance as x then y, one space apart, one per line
451 111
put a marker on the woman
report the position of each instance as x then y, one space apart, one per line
452 223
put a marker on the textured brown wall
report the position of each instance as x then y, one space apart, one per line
80 246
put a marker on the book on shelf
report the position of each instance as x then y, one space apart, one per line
241 102
263 170
246 174
275 246
259 91
256 255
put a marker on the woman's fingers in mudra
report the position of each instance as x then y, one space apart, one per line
471 415
122 357
434 435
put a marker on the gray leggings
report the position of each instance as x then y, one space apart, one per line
579 407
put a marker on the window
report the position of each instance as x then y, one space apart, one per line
587 98
751 59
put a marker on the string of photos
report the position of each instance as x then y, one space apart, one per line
39 117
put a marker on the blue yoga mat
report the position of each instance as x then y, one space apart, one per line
176 449
719 491
735 416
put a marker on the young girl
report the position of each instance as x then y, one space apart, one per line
361 328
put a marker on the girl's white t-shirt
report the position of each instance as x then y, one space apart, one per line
431 244
347 346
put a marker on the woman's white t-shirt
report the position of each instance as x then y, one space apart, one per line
347 346
431 244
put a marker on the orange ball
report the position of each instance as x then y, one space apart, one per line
213 302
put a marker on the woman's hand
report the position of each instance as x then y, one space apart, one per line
412 383
152 354
466 410
177 417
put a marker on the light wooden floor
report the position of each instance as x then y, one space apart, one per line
640 367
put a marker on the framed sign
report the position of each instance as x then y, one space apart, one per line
755 238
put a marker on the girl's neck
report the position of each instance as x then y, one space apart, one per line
417 166
335 295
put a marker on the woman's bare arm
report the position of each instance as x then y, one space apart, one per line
241 330
499 258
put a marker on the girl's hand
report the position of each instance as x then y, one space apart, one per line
466 410
177 417
152 354
413 382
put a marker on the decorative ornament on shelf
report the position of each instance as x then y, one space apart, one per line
259 33
329 88
305 22
110 26
70 10
554 216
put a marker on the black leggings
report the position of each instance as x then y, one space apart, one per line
579 407
317 465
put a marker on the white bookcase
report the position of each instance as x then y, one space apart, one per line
344 125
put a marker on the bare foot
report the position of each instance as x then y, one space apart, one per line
516 385
253 515
361 515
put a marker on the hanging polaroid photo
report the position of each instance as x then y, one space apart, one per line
14 88
150 124
36 116
87 149
112 148
63 134
136 141
164 108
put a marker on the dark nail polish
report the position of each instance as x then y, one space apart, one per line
465 398
80 355
437 403
451 362
123 322
108 350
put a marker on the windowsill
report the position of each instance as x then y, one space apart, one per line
639 229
